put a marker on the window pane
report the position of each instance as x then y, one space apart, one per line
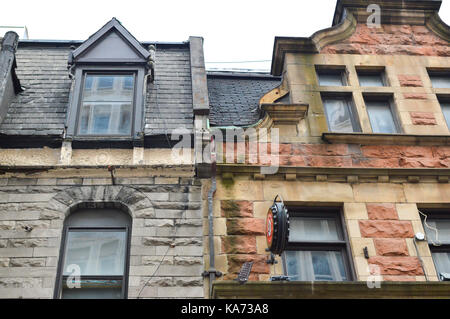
95 252
338 115
106 108
374 79
313 229
93 289
105 119
443 230
381 118
446 111
440 81
331 79
315 265
104 88
442 262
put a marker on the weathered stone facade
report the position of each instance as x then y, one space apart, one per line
166 242
379 182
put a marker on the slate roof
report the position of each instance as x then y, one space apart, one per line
42 69
234 97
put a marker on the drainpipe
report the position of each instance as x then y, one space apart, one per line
211 272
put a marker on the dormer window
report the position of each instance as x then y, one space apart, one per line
107 100
106 105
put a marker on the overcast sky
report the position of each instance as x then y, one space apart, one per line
234 30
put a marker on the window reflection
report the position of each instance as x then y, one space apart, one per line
338 115
106 108
96 253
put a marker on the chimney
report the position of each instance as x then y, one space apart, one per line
9 83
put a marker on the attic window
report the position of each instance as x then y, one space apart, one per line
107 101
107 104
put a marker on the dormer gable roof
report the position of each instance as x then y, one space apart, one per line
112 43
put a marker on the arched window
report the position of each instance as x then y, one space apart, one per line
94 255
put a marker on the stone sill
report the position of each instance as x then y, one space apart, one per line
386 139
329 290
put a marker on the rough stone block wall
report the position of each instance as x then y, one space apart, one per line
380 216
391 39
166 244
344 155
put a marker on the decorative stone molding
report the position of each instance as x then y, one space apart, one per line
115 196
338 174
312 44
289 114
349 14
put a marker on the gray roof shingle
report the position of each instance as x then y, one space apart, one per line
234 98
41 109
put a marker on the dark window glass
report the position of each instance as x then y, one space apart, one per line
381 117
339 115
317 249
94 258
331 78
371 79
440 81
106 107
437 229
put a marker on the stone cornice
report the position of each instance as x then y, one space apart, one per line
439 27
393 11
313 44
348 14
339 174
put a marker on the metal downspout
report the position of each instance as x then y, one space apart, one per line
212 272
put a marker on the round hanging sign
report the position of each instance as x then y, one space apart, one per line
277 227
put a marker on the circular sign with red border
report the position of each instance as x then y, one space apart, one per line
277 228
269 228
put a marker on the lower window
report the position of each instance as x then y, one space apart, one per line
94 257
437 229
318 249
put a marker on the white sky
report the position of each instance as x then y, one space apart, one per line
234 30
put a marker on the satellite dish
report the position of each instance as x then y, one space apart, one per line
277 226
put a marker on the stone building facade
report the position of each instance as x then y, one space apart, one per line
363 122
49 173
95 191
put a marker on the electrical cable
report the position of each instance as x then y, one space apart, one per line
433 228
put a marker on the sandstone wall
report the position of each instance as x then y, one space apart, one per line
380 216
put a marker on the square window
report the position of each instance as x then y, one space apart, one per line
317 248
339 113
381 116
331 77
106 108
371 79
